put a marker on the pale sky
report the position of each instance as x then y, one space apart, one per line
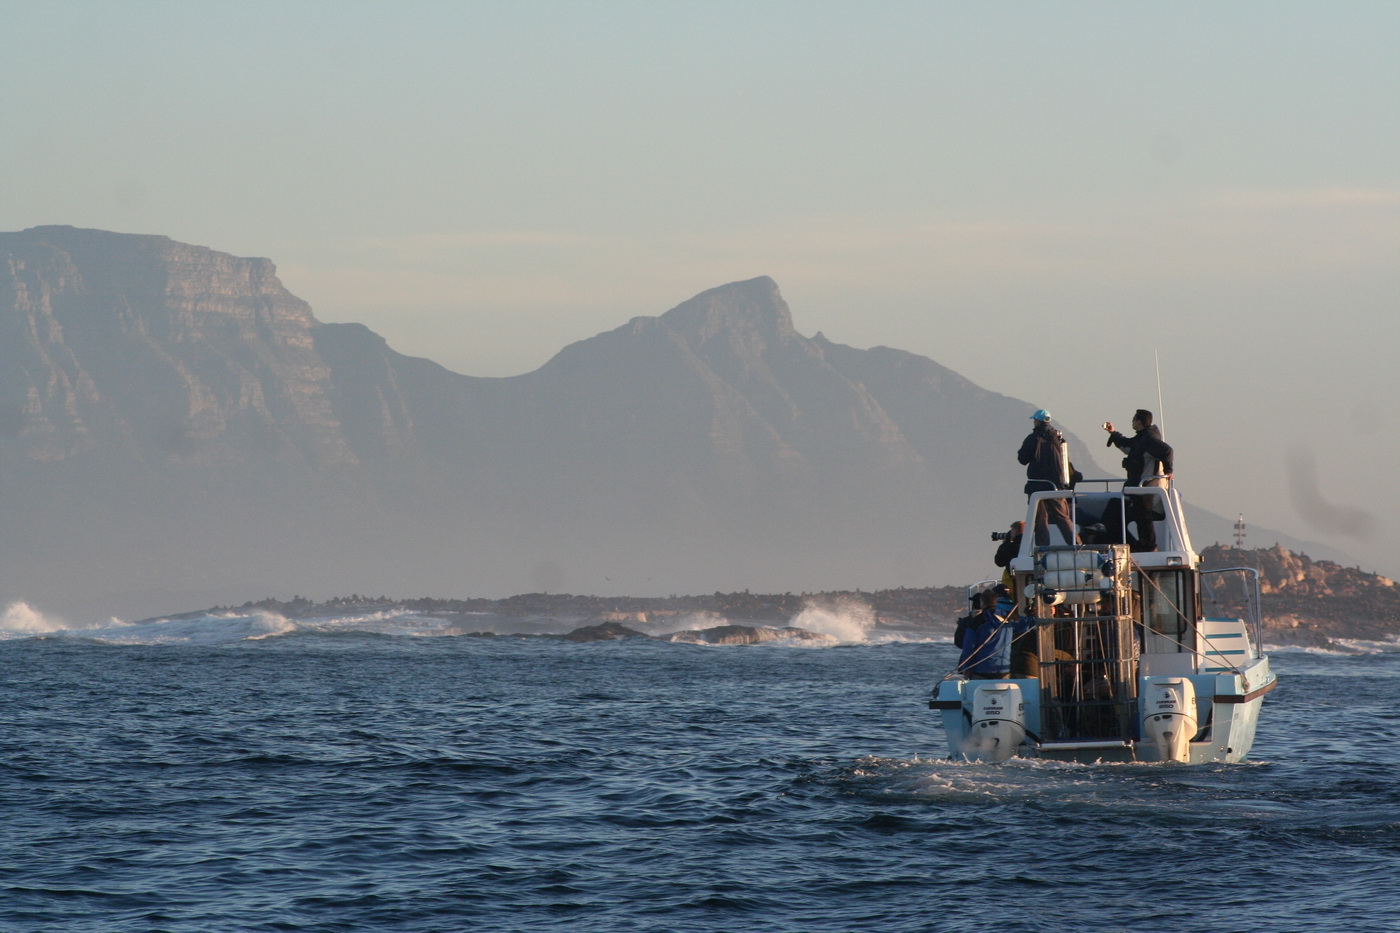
1041 196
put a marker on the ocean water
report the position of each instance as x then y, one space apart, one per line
246 772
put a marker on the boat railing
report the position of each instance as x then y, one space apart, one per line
974 588
1216 586
1101 495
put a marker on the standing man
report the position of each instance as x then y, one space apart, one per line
1149 462
1047 467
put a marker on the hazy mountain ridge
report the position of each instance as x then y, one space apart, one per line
176 428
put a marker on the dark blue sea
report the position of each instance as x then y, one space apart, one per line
238 773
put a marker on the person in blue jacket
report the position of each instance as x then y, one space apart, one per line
985 641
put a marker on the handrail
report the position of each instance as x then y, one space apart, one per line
1254 612
975 588
1166 494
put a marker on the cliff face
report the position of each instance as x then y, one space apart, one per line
158 351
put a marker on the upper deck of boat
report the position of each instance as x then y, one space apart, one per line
1103 511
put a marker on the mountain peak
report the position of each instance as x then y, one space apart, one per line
754 306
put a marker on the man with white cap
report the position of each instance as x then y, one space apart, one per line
1047 467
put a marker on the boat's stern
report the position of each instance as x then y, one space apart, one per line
988 720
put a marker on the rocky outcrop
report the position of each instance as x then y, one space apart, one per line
1306 602
748 635
605 631
1314 602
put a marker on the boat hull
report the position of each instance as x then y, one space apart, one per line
1226 715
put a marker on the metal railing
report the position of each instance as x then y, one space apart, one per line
1246 606
1165 495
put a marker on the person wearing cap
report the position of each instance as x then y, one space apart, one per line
1149 462
1047 468
986 642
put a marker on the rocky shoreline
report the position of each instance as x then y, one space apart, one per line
1304 603
1315 603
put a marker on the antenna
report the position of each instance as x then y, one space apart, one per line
1239 532
1161 413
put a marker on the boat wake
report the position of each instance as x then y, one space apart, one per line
1068 785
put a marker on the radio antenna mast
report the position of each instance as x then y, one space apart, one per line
1161 415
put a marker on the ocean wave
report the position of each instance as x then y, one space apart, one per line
815 626
21 621
849 621
1343 647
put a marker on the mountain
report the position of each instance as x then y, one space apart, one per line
177 429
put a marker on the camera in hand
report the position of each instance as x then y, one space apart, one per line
1000 535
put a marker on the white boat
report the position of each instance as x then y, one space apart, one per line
1120 655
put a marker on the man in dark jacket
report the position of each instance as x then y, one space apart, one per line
1043 453
1010 545
1149 462
1048 468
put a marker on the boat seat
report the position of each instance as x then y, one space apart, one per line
1223 645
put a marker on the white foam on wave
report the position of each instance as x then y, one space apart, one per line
207 629
848 620
217 628
20 620
1345 647
1131 785
397 622
663 625
833 623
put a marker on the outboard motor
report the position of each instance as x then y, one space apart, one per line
998 722
1169 717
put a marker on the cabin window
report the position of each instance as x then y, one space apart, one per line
1168 609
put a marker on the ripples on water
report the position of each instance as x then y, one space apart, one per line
339 780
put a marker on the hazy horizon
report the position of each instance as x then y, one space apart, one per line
1054 201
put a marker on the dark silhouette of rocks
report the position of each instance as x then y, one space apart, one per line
746 635
603 631
1305 602
716 635
929 606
